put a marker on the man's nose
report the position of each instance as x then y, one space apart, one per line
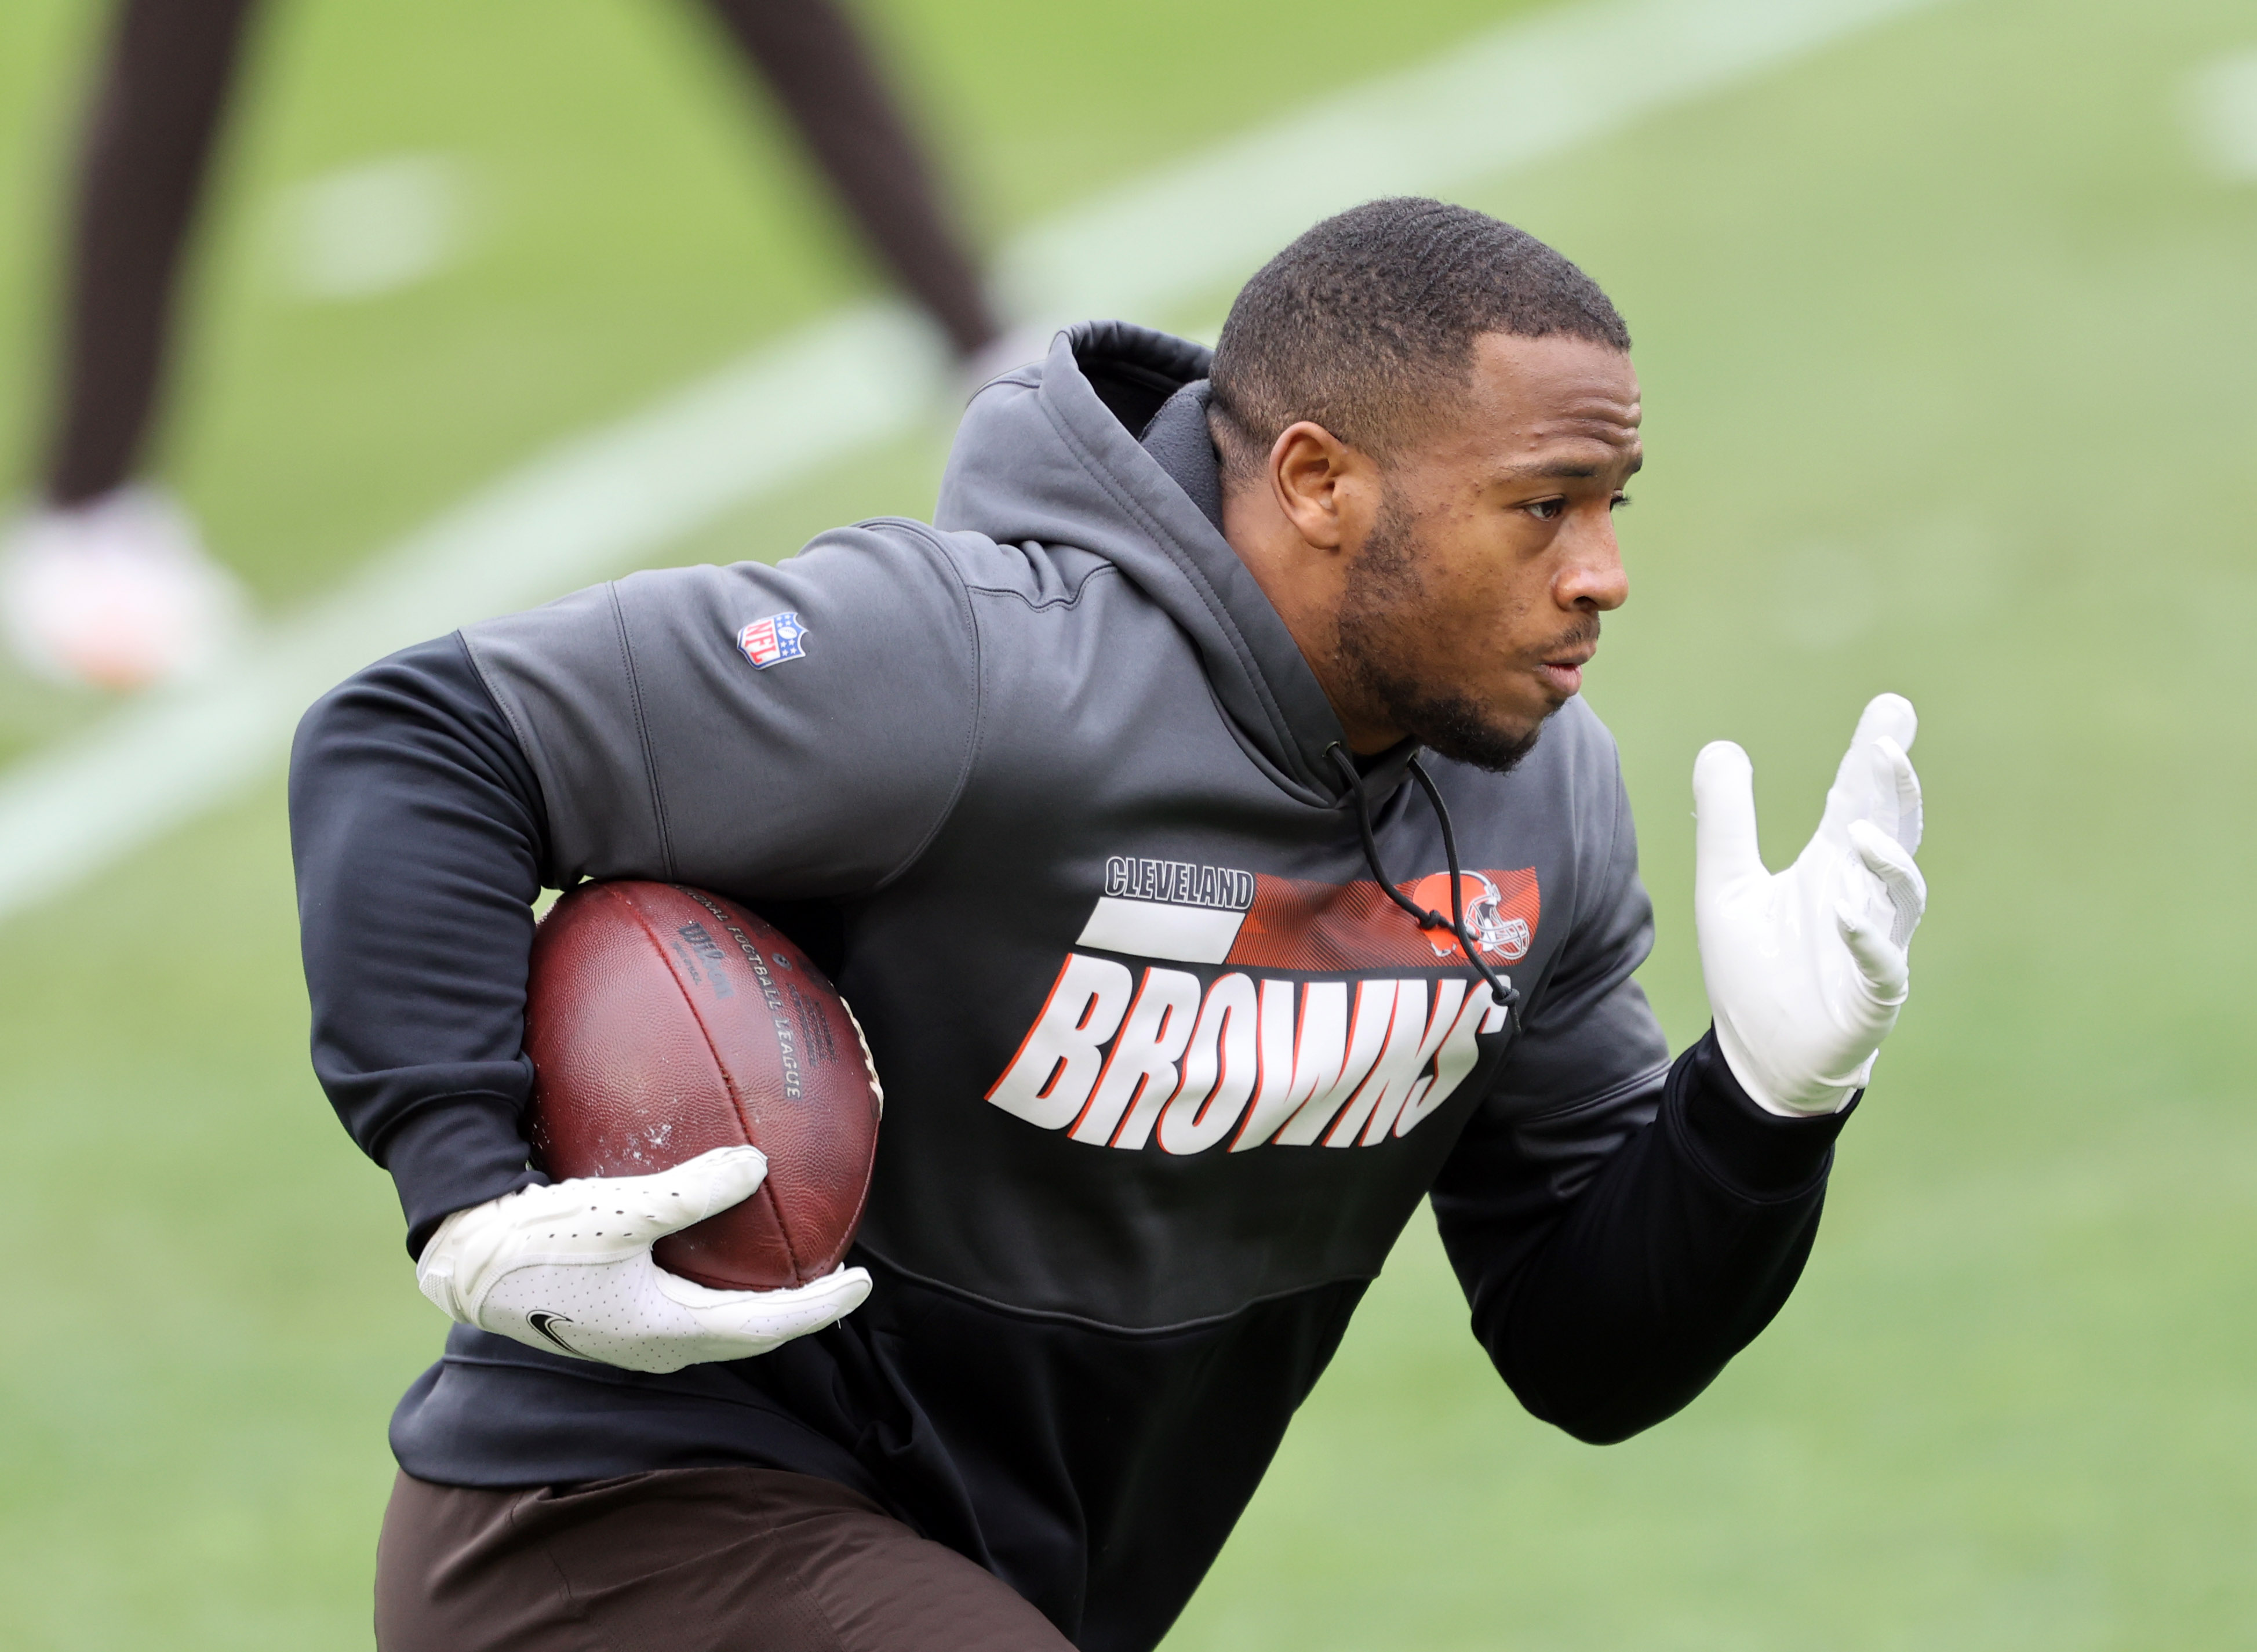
1594 578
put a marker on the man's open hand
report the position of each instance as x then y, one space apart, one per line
568 1268
1806 969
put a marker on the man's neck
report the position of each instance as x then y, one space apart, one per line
1292 574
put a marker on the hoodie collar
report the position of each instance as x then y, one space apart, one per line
1179 440
1051 454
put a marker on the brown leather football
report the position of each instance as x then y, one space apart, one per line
664 1022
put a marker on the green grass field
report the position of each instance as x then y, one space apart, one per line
1950 347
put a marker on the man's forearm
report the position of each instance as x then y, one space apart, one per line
1670 1260
416 826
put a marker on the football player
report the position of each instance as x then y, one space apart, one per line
1202 815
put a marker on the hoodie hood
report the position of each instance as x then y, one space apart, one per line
1052 454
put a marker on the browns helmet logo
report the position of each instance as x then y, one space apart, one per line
1486 922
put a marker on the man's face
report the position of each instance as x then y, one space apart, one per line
1473 600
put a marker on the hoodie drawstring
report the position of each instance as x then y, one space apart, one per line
1505 994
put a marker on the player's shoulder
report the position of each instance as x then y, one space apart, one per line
893 566
857 608
887 564
1039 577
870 592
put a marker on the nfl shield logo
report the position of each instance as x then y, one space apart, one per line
781 636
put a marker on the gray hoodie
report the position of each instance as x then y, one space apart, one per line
1051 792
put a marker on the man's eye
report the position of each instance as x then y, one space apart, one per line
1619 502
1546 510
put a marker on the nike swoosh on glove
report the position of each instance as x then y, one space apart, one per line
568 1268
1807 969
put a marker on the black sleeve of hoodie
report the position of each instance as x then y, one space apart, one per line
415 824
1672 1257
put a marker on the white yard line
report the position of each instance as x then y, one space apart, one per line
594 505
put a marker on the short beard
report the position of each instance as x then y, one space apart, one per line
1377 628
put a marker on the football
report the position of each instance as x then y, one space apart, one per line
663 1022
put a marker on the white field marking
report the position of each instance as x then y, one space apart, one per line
1521 94
2221 111
372 229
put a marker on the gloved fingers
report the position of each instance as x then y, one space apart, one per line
667 1200
1899 876
770 1317
1874 780
603 1218
692 1295
1887 717
1883 965
1724 817
1899 785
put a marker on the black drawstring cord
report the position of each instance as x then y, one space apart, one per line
1424 920
1506 995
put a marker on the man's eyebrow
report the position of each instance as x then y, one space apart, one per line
1563 470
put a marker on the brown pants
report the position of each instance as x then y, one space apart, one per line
682 1560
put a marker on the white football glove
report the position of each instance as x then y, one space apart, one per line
567 1268
1806 969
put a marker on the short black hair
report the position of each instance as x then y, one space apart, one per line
1370 319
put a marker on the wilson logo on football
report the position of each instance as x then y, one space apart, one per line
781 636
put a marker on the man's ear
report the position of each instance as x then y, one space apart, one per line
1318 482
